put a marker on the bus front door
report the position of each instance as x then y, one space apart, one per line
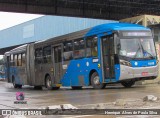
57 59
108 57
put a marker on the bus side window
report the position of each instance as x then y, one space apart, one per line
94 47
38 56
15 60
23 59
79 48
91 47
47 54
19 60
88 47
68 51
11 60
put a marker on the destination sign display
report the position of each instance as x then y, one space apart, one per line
136 33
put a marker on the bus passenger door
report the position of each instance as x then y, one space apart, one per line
108 57
57 60
38 66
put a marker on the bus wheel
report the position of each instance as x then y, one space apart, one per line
76 87
49 84
14 83
128 84
55 88
19 86
95 81
38 87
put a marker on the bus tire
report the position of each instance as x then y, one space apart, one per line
49 84
14 83
95 81
128 84
55 88
19 86
76 87
38 87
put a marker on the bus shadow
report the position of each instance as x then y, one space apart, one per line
110 87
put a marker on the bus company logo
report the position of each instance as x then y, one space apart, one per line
136 63
20 98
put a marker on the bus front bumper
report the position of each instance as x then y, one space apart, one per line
127 72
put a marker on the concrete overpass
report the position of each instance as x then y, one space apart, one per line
102 9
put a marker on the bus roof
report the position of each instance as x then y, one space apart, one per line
21 48
110 27
113 27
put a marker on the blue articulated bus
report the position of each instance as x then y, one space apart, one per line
109 53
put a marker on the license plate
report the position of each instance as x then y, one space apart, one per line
144 73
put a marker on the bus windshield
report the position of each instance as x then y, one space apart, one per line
137 48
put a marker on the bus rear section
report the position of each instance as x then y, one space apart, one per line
15 62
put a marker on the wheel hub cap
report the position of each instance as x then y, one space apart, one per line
96 80
49 83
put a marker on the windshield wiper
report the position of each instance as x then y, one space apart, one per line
151 56
136 52
143 50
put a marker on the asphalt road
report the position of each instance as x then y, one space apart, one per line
86 96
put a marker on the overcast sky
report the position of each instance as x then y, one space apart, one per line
8 19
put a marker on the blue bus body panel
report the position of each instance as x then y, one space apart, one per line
78 71
143 63
2 72
117 72
14 72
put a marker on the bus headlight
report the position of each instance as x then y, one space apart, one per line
157 61
126 63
